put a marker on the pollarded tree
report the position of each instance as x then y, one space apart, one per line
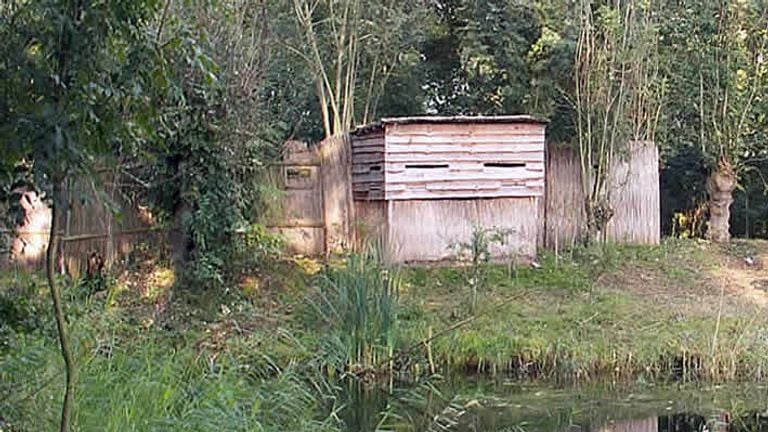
352 48
716 60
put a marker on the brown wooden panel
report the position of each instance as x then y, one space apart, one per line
298 152
465 129
300 176
465 156
428 230
302 204
368 166
505 191
454 148
501 141
370 223
428 160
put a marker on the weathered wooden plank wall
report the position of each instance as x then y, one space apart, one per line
427 230
634 194
112 228
299 218
370 223
336 179
368 166
428 160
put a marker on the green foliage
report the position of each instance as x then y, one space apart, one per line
151 388
138 378
712 56
623 311
476 254
64 96
476 57
355 309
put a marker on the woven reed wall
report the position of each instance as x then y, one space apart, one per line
564 208
338 205
634 195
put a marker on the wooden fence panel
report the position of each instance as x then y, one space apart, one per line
299 220
100 218
338 206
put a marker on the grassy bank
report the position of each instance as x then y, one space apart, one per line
268 355
684 309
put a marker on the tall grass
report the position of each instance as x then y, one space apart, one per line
355 311
134 378
152 387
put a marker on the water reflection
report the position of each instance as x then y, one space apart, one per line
493 406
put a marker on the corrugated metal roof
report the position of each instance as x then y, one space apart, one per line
371 127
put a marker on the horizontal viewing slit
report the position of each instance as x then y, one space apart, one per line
504 164
375 168
426 166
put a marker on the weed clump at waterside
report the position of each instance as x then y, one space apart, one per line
354 310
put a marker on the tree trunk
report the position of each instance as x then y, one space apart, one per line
58 309
179 239
720 186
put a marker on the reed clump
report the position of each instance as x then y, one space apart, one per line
354 310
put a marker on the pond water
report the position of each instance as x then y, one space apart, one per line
477 404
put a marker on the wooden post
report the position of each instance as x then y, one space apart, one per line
336 178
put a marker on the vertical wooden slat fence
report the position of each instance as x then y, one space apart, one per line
100 219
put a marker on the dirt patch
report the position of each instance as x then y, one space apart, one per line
761 284
742 270
695 277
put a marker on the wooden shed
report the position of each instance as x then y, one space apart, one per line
422 184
